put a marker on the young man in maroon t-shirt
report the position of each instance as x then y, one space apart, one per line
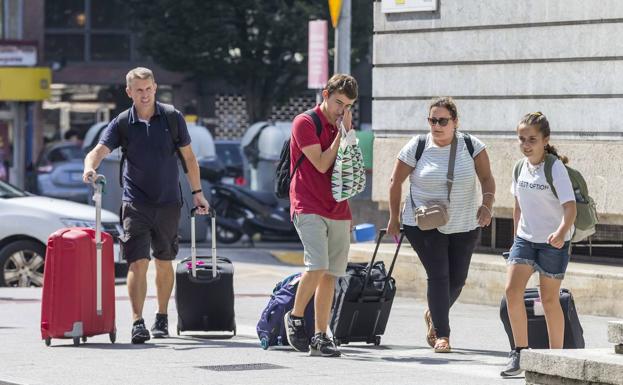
322 223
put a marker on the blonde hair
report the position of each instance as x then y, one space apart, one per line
139 73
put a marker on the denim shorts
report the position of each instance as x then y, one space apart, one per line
543 257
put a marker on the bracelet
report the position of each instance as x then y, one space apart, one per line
488 193
196 191
490 211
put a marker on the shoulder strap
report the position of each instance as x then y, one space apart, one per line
547 169
123 125
468 142
517 169
318 125
316 120
421 143
174 130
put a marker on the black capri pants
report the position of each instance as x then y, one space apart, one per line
446 259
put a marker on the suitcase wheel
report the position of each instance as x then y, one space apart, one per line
76 341
377 340
84 339
48 341
178 331
112 336
338 342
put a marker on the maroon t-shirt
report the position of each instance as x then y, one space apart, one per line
310 190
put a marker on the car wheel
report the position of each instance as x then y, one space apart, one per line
21 264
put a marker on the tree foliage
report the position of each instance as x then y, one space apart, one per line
258 46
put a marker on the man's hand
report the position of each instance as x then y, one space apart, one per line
88 175
347 119
201 203
556 239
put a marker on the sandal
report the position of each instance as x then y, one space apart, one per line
442 345
431 336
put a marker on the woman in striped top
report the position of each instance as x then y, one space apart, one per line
445 252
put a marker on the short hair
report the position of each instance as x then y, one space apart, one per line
139 73
344 84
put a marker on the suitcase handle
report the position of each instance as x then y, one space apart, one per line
193 247
98 182
382 233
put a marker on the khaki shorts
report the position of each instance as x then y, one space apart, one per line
325 242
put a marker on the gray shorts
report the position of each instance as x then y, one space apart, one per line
148 227
325 242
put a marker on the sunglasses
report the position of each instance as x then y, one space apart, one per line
441 121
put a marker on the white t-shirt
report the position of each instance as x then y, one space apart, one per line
541 211
427 182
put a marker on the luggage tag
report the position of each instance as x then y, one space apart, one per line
190 264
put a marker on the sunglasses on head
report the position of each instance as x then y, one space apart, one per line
441 121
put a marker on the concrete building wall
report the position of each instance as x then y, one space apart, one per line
500 59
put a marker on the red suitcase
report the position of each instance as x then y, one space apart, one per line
79 282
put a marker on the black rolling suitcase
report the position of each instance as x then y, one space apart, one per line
363 300
204 290
537 328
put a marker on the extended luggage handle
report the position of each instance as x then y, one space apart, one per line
193 248
98 182
382 233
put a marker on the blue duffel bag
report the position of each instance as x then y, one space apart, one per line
270 328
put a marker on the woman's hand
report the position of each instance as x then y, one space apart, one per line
484 216
393 227
556 239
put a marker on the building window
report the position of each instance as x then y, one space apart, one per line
87 30
110 47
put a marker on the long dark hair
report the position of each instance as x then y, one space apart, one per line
538 120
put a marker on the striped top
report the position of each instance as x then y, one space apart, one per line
427 182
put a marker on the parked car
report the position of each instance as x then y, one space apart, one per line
229 152
26 221
59 172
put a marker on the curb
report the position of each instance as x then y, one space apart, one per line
293 258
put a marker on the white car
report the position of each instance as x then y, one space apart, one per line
27 220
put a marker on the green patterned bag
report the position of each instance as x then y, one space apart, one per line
349 174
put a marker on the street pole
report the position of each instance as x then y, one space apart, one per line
342 40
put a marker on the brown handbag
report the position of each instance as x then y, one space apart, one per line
435 214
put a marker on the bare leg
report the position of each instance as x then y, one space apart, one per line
307 288
164 284
323 301
516 280
550 297
137 286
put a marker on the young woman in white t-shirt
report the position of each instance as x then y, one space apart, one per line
543 225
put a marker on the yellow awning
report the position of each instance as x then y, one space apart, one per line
25 84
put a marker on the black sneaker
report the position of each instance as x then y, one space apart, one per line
512 368
295 331
140 333
322 345
160 329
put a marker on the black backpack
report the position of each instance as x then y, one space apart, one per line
123 124
283 177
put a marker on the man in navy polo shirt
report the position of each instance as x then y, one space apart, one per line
151 195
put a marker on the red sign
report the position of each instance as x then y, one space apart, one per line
318 55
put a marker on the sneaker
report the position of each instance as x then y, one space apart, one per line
295 331
160 329
140 333
322 345
512 368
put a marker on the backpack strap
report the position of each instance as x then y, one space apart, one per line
318 125
468 142
421 143
517 169
123 124
547 169
174 129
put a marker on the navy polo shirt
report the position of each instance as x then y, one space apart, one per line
151 173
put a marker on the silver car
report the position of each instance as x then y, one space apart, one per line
59 172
